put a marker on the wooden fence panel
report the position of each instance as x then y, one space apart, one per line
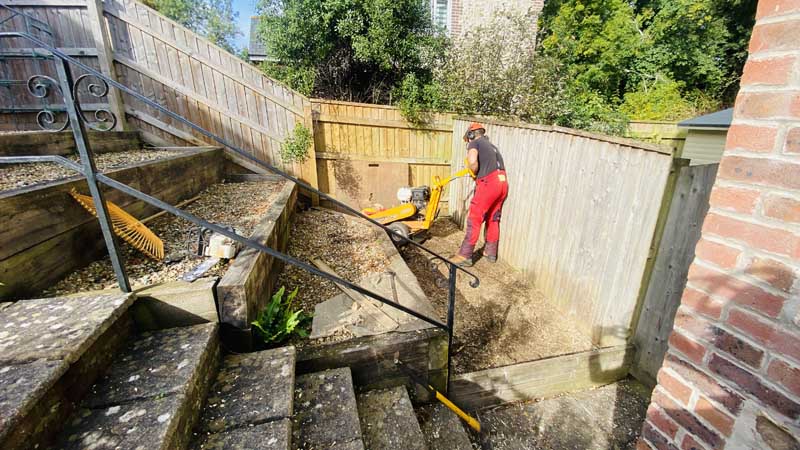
668 280
579 219
377 133
178 69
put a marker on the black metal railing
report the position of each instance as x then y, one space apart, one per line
41 86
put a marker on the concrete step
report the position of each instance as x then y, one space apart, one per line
388 421
250 402
442 428
326 413
152 393
51 351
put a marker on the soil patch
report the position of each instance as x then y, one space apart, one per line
506 320
239 205
350 246
21 175
609 417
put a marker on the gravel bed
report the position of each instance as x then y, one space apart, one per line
350 246
21 175
240 205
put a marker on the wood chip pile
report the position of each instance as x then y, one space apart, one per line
241 205
21 175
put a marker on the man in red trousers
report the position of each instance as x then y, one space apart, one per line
491 190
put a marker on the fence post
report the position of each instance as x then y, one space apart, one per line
105 57
310 166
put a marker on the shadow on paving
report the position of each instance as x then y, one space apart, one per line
609 417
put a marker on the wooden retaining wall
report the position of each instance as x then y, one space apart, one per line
248 284
63 143
579 219
46 234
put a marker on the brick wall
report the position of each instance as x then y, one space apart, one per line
731 378
468 13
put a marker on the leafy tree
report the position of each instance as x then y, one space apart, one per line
212 19
359 50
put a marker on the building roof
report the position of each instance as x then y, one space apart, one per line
257 50
720 119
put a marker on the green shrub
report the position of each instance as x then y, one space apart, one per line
295 147
277 322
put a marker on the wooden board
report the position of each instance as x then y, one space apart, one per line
539 379
37 143
668 280
361 184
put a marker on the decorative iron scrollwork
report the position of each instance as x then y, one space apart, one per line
42 86
104 119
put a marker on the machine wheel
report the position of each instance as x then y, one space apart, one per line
401 229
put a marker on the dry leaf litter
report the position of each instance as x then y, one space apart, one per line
22 175
240 205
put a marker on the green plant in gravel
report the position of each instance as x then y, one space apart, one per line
295 147
279 320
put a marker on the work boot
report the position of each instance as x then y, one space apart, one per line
491 259
461 261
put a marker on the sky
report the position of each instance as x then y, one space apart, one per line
246 9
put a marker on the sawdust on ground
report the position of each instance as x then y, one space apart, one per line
506 320
239 205
609 417
350 246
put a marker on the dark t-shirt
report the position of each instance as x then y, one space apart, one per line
489 158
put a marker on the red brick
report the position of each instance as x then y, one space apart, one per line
689 443
747 137
717 254
641 445
766 333
660 420
726 287
701 303
773 71
691 349
769 8
751 384
656 439
723 395
782 208
686 419
698 327
792 144
775 36
785 374
674 386
738 348
718 419
763 171
768 105
776 274
755 236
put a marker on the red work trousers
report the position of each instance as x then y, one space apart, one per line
486 206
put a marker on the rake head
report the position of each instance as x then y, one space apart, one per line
127 227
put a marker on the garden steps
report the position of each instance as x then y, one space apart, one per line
388 420
51 351
326 412
250 401
152 393
443 430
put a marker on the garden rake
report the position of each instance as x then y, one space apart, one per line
127 227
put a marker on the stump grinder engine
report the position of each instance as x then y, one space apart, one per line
418 208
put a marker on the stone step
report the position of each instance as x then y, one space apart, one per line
51 351
326 413
442 428
250 402
388 420
152 393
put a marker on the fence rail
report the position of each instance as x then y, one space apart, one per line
579 219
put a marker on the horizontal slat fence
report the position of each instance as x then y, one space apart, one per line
180 70
579 219
378 133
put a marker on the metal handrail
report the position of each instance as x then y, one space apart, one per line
89 171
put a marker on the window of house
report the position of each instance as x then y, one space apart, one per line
440 12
